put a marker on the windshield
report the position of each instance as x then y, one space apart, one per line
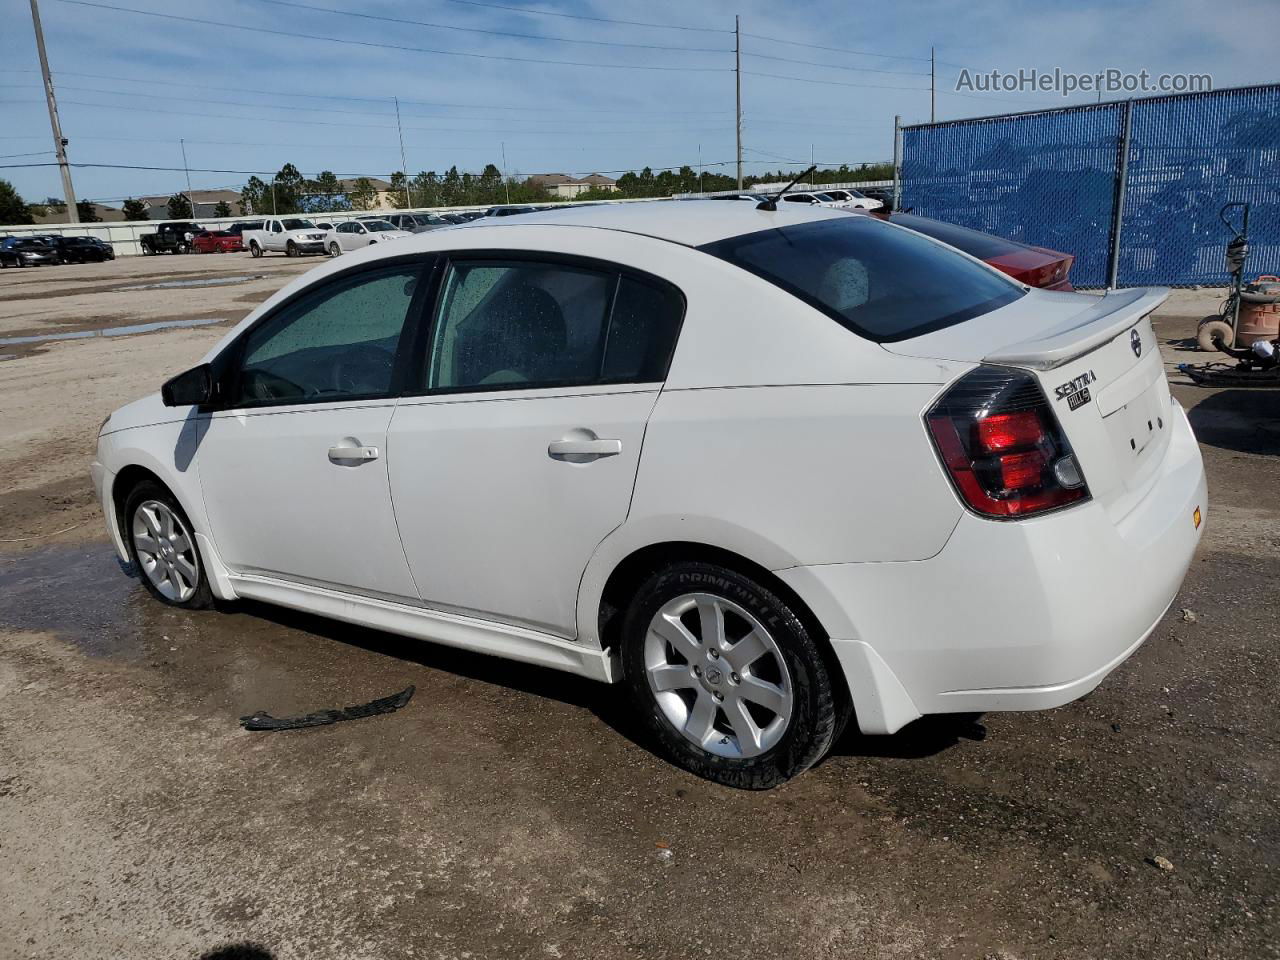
882 283
378 226
28 244
298 225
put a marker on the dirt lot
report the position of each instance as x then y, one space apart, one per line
512 812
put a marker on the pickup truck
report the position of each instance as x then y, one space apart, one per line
289 235
170 238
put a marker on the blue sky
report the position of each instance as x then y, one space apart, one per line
131 86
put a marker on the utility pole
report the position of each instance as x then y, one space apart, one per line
404 166
737 77
506 183
933 87
700 168
897 162
191 201
59 142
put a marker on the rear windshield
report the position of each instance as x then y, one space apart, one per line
881 283
973 242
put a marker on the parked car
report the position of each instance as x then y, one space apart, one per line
82 250
26 252
853 200
1034 266
292 236
170 238
239 228
506 211
948 493
414 222
355 234
217 241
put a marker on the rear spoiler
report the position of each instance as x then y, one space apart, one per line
1113 314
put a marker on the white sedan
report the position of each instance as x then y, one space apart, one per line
853 200
354 234
770 470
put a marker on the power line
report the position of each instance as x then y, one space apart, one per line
816 46
579 16
35 153
835 66
829 83
492 33
391 46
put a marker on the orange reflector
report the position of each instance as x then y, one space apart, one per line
1196 518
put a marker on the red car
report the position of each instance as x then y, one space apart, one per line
216 241
1034 266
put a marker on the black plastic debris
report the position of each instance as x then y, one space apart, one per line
265 721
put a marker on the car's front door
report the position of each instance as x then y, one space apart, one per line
294 469
520 454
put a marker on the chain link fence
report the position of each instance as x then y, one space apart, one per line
1132 189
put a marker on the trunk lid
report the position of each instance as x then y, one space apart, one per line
1099 365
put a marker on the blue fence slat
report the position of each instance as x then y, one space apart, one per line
1050 179
1188 156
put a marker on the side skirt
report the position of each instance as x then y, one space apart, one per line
451 629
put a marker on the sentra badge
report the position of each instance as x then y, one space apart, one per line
1076 392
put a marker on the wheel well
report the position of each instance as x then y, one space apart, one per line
628 575
125 481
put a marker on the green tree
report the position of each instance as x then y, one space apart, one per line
179 207
426 188
223 209
135 210
397 191
87 212
363 195
12 207
255 197
325 193
290 189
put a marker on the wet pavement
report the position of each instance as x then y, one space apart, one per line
509 811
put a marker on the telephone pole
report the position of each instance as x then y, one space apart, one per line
737 75
933 87
191 200
59 142
404 166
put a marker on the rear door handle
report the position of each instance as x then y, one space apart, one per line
352 453
584 450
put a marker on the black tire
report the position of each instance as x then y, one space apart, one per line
291 249
144 492
254 249
334 249
183 248
818 709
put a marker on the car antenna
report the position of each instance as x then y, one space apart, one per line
771 203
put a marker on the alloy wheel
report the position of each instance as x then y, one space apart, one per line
718 675
165 551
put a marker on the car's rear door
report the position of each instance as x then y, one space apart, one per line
294 469
520 453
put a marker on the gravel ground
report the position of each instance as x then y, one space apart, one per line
514 812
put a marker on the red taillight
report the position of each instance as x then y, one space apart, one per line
1002 446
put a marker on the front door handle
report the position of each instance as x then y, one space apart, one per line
351 451
583 450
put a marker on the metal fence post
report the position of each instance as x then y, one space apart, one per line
1122 183
897 161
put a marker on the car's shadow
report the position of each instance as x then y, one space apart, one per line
923 738
1243 420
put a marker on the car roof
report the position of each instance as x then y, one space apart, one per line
690 224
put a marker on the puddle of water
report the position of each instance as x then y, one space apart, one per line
79 593
109 331
194 282
8 356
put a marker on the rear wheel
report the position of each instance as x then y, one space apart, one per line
163 548
335 250
254 249
727 677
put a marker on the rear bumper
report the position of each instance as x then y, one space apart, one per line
1011 615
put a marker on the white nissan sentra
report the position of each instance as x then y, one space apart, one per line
770 470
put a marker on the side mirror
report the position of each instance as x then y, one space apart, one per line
192 388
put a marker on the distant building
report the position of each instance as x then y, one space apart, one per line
206 202
563 185
385 199
108 215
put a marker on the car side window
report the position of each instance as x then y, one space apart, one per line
520 324
336 343
513 325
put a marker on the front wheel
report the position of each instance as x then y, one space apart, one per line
163 548
184 248
291 249
727 677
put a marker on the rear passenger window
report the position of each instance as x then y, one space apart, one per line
528 324
642 332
